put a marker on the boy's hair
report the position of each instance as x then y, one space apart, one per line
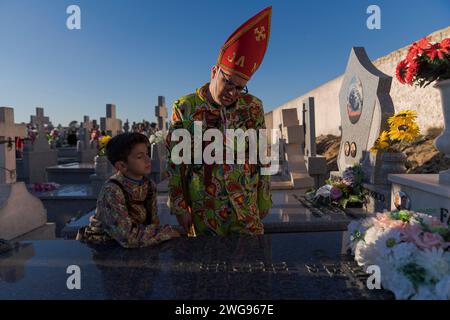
120 147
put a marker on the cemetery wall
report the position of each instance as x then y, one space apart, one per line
426 101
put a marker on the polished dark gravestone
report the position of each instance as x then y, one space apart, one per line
67 202
71 173
277 266
289 213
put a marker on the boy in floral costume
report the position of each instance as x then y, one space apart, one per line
126 206
222 199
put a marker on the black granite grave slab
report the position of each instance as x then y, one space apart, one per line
277 266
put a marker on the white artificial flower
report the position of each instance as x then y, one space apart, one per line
442 288
425 293
404 253
324 191
386 241
397 283
362 254
435 261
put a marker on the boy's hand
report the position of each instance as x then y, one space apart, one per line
185 221
171 232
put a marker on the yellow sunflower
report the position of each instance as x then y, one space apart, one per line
381 143
104 140
402 116
404 130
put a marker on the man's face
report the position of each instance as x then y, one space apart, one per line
226 88
138 162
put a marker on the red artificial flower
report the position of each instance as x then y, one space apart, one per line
413 70
435 51
417 48
402 68
445 45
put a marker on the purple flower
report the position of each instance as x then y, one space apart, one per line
335 193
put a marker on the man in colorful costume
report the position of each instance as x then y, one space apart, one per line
220 198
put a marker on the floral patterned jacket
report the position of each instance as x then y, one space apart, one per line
129 225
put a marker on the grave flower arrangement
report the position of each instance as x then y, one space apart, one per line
156 137
425 63
402 129
341 191
102 142
411 250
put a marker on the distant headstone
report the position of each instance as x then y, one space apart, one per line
20 212
87 149
293 133
37 154
161 113
40 120
315 164
110 124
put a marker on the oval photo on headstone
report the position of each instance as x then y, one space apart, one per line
355 100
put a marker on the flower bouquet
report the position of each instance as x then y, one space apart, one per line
102 142
156 137
425 63
410 248
45 186
402 129
341 191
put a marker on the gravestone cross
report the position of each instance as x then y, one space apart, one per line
8 132
161 113
110 124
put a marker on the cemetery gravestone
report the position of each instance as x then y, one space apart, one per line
295 138
365 105
20 212
161 113
110 124
315 164
87 150
37 154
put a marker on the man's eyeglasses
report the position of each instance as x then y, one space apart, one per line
231 86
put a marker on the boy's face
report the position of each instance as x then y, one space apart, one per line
138 162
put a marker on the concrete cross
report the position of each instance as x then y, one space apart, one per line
8 132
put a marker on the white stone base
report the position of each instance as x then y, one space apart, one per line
425 192
20 211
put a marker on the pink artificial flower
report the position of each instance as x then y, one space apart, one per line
384 220
424 240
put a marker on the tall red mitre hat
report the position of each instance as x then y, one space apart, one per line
244 50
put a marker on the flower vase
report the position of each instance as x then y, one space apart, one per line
392 163
442 143
101 166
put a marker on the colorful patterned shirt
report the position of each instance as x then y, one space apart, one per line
128 224
224 198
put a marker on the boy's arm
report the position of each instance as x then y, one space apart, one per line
118 224
153 206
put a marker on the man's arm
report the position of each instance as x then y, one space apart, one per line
176 202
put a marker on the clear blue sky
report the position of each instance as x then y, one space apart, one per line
129 52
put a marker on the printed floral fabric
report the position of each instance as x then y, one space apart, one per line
126 224
225 198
